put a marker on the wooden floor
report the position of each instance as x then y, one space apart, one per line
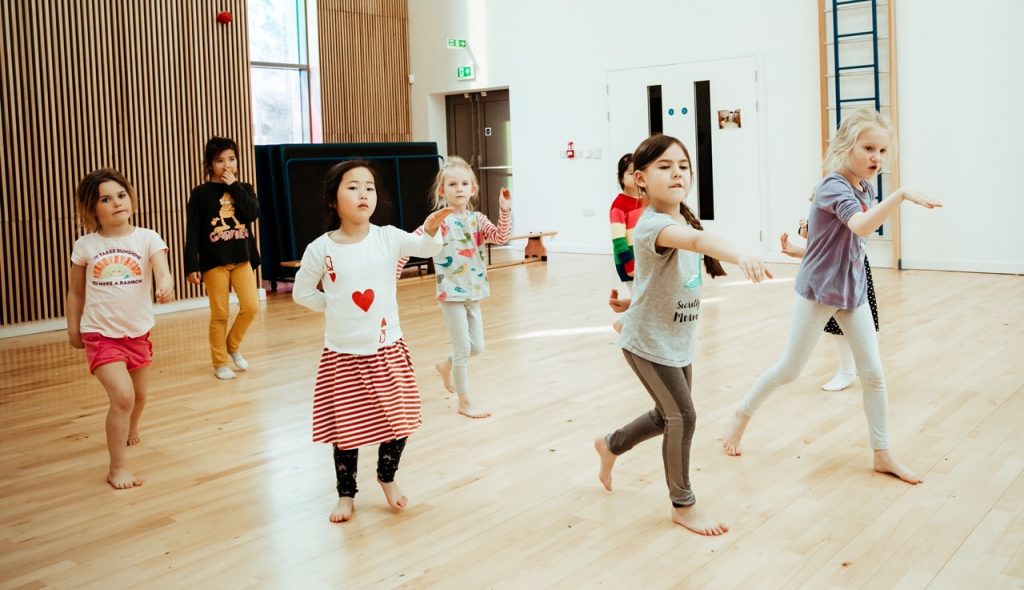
237 496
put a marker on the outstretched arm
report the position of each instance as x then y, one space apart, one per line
867 222
703 242
405 259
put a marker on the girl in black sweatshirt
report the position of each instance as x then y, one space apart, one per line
220 250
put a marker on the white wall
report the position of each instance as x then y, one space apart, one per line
554 56
961 85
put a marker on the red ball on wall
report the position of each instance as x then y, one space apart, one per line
224 17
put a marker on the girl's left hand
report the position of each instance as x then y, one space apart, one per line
918 198
505 199
433 221
618 305
165 292
228 177
754 269
791 249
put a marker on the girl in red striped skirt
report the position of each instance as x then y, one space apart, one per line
365 392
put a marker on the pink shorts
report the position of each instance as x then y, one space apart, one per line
135 353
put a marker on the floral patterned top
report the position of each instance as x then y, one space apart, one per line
460 268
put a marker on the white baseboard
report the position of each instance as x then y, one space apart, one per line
61 324
1009 268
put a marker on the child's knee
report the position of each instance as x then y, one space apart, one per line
249 308
476 348
122 402
872 380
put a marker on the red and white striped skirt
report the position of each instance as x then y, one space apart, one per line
362 400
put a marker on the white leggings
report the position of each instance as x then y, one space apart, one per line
466 328
808 318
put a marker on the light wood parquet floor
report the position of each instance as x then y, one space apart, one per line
236 495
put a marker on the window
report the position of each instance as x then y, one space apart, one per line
280 71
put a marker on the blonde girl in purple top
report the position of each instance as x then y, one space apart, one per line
832 280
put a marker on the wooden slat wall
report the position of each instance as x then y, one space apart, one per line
364 71
137 86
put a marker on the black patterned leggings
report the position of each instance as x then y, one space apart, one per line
346 464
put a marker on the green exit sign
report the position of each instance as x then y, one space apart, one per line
456 43
465 73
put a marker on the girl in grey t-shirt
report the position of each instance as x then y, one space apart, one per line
658 330
832 280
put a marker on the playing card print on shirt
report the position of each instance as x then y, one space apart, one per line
329 265
363 299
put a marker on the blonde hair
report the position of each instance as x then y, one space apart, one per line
842 143
87 195
452 163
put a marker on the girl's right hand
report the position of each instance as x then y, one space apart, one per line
228 177
75 339
791 249
918 198
194 277
754 269
433 221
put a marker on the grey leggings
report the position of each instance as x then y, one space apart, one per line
673 417
466 329
859 328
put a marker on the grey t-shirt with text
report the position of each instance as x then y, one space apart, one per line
661 322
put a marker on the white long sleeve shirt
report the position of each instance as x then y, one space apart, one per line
359 288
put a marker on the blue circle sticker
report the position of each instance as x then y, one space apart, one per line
671 112
683 110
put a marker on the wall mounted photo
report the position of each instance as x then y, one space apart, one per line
729 119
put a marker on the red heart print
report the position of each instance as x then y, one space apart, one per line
363 300
332 275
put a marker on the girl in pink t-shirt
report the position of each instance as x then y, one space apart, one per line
109 308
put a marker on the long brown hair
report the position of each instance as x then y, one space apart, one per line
648 152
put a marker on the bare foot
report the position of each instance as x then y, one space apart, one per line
122 479
468 409
604 474
396 499
133 438
733 434
343 510
886 463
698 521
444 369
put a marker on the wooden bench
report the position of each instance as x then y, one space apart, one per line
535 244
422 265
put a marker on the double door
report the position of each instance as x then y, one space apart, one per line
480 132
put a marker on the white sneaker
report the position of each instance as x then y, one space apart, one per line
224 373
840 382
240 363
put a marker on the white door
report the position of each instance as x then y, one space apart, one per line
735 161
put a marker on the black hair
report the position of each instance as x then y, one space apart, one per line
333 180
214 147
624 163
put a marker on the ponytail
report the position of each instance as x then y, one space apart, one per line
712 265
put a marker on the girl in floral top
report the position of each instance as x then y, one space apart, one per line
461 272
